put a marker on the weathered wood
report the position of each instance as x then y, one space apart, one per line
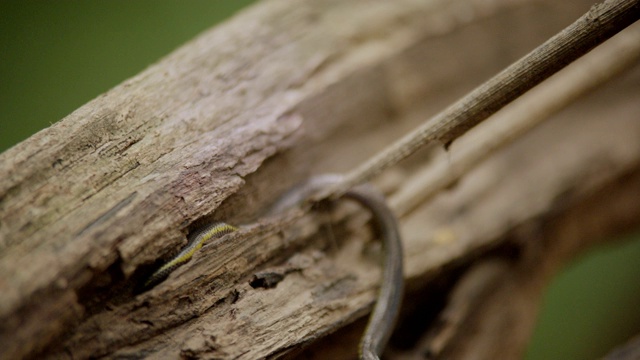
601 22
222 126
508 235
628 351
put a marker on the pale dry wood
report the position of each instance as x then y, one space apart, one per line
536 106
120 181
532 230
601 22
628 351
478 320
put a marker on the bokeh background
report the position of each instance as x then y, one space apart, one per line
57 55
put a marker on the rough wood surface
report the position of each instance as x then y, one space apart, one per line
601 22
628 351
220 127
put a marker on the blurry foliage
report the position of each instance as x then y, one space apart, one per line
58 55
592 306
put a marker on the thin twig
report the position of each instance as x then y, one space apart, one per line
600 23
586 74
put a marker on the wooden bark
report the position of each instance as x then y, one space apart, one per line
219 128
629 350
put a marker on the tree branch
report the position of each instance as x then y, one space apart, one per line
599 24
219 128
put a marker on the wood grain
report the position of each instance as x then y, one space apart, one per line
222 126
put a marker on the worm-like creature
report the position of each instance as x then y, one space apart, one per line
196 240
385 312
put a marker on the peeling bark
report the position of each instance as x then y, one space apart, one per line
222 126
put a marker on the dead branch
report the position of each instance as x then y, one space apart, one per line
220 127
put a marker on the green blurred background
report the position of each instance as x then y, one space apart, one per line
57 55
